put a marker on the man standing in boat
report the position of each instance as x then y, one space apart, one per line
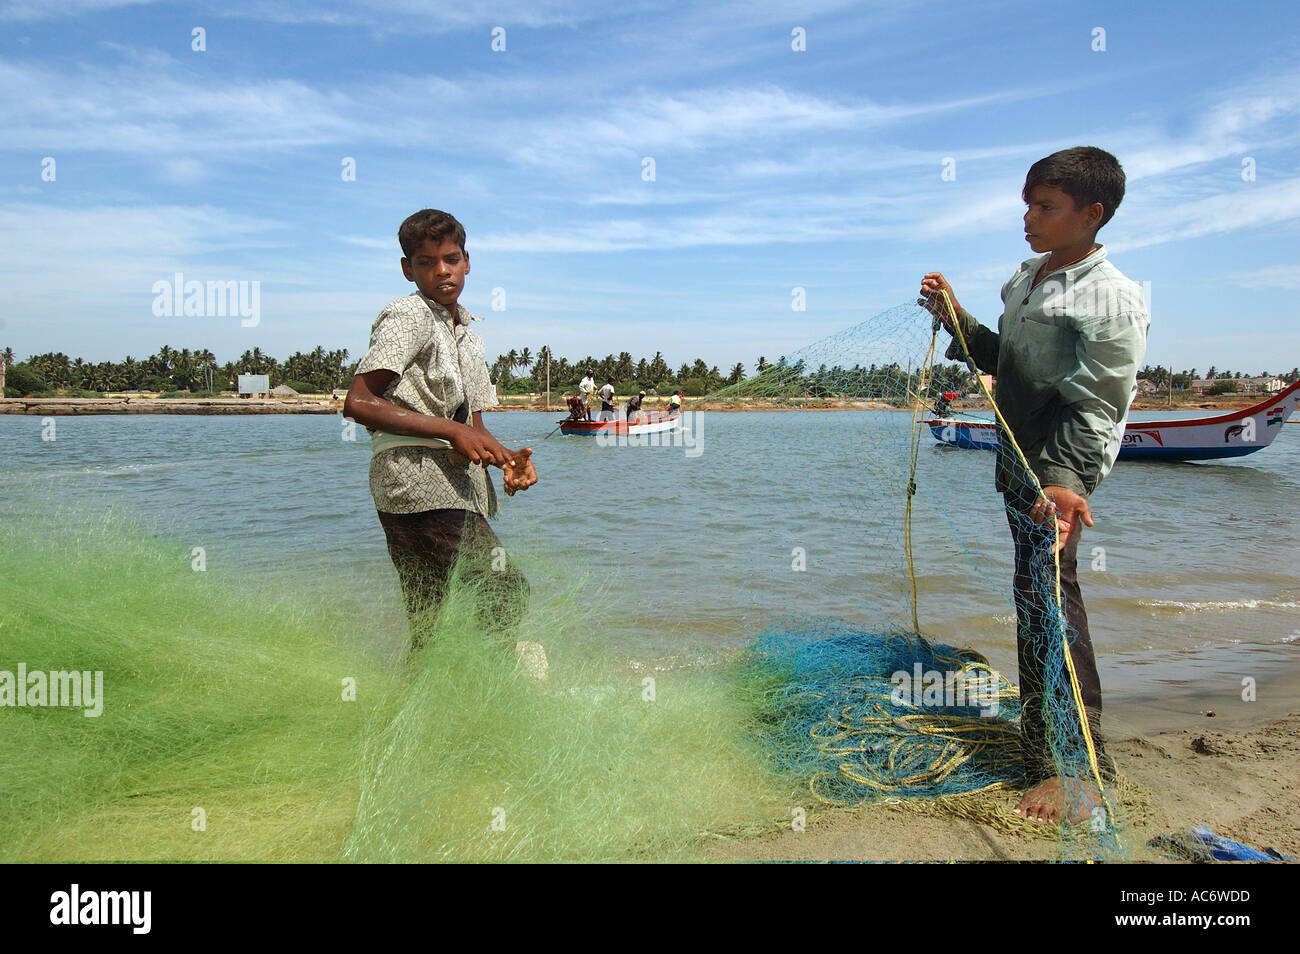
586 388
607 400
1066 353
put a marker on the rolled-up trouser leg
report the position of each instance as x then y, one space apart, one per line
431 547
1036 622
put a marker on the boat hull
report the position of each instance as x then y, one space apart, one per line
1235 434
653 423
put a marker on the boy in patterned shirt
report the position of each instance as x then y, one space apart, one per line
420 390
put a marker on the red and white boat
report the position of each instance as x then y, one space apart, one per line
643 422
1204 438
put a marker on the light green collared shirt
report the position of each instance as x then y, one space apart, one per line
1066 355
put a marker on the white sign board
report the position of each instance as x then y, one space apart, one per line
254 384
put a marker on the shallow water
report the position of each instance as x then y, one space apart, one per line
687 552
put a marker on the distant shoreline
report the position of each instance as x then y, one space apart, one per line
324 404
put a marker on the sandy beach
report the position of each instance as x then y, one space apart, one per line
1239 783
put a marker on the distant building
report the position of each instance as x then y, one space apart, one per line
1269 385
254 385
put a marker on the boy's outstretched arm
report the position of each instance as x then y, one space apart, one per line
367 405
982 342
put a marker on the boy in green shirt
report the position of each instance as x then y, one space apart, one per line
1066 354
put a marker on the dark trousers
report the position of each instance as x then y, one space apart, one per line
431 547
1036 624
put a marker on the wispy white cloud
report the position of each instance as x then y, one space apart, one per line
28 10
116 247
1285 277
379 16
147 112
1247 207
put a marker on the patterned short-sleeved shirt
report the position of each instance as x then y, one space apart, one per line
439 366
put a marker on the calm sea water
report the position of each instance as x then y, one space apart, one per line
679 553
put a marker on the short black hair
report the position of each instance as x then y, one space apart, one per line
429 224
1085 173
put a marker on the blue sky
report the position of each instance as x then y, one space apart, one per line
774 168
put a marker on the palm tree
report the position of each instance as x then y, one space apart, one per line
762 364
737 374
61 368
184 369
525 358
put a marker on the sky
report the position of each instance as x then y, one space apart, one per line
647 177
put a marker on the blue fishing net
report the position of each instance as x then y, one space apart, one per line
877 710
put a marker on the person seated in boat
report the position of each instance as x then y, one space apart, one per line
607 412
675 402
576 411
633 409
586 388
943 406
1066 353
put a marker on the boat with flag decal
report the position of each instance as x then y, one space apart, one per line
643 422
1203 438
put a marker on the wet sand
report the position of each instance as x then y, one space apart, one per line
1239 782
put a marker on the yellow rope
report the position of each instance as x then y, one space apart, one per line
924 375
1056 554
921 749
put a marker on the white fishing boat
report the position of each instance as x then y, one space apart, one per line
1204 438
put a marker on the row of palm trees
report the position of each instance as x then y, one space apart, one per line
651 374
1163 377
319 370
172 369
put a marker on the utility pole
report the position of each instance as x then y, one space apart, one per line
548 378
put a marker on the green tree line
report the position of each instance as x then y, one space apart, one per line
523 372
171 369
514 372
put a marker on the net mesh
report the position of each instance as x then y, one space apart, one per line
882 710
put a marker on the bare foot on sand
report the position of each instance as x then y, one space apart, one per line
1060 801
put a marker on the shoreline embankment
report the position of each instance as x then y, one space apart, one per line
324 404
